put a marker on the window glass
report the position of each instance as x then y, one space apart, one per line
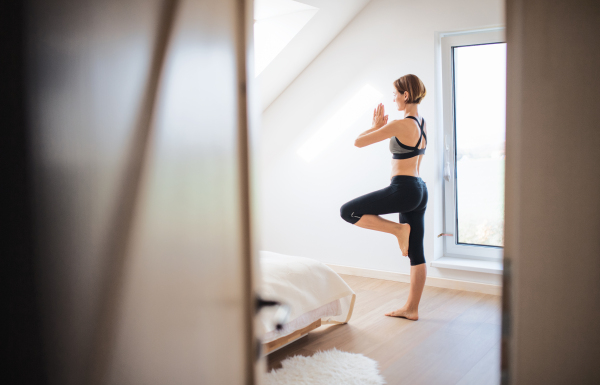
480 128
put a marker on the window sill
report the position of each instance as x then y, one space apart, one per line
490 267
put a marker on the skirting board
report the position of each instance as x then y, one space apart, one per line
431 281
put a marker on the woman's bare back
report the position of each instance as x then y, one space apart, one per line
409 137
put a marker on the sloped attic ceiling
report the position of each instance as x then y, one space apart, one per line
276 22
290 34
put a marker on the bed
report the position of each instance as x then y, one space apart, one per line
315 293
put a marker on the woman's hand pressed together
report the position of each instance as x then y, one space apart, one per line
379 119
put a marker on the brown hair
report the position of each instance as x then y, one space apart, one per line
414 86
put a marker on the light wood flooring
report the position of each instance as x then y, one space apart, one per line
455 341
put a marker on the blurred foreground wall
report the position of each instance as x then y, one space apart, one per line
135 164
552 251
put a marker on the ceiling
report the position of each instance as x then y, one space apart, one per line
289 35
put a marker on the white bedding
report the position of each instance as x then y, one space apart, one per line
312 289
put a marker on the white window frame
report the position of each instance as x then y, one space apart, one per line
448 41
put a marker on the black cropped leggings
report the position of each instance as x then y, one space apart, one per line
406 195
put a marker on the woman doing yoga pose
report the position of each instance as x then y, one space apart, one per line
407 193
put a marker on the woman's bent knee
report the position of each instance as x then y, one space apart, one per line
349 214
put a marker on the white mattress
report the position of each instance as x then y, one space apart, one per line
312 289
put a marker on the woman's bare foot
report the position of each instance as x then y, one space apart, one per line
404 313
402 235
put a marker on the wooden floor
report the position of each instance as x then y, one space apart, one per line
455 341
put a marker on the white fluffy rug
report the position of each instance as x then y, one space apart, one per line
331 367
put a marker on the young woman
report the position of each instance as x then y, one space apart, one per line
407 193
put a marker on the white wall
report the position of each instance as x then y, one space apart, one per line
300 202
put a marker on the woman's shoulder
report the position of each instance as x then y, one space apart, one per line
397 124
404 122
406 126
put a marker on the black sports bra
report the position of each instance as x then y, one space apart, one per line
402 151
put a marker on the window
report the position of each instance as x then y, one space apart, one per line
474 113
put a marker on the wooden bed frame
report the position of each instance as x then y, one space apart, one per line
270 347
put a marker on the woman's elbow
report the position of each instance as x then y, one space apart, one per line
358 143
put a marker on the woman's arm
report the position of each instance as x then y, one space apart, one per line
379 130
369 130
